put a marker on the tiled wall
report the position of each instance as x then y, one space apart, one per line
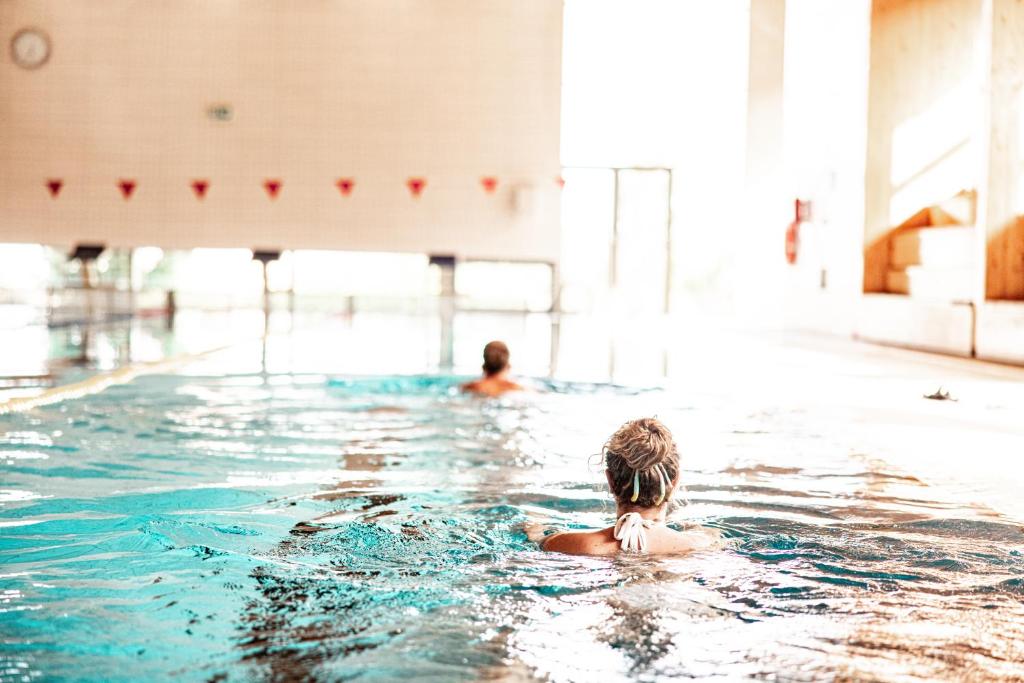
381 91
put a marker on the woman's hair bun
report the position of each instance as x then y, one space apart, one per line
643 443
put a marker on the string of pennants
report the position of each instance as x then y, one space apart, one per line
273 186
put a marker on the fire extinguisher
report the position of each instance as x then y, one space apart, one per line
802 214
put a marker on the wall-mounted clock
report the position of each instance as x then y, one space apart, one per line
30 48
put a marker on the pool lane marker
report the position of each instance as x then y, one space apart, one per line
100 382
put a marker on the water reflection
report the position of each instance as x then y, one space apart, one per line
290 525
274 341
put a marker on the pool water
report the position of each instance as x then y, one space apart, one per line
310 527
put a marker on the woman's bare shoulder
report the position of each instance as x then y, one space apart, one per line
599 542
602 542
693 540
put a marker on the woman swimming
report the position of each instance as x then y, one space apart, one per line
642 467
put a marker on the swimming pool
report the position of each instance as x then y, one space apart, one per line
306 526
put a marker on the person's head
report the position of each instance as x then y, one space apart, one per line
642 453
495 358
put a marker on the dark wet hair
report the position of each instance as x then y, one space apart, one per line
637 451
495 358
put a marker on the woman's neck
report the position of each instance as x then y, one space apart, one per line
654 514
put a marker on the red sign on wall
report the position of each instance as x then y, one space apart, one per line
54 185
200 187
416 186
345 186
273 187
490 184
127 188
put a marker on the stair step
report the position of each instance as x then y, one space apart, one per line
936 284
943 247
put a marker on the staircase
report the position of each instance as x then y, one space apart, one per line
934 263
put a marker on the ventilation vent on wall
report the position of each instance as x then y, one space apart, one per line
220 112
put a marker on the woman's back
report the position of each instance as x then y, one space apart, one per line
659 539
642 468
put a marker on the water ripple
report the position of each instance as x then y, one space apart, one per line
301 527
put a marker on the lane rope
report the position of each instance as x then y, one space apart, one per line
101 382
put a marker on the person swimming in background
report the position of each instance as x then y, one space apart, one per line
642 467
495 381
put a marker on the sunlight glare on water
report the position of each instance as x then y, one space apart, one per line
290 526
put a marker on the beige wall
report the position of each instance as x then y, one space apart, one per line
922 114
826 81
451 90
765 202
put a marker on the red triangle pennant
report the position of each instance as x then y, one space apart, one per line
127 188
345 185
490 184
416 186
54 185
200 187
272 186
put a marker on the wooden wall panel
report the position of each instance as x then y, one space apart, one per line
922 114
1002 197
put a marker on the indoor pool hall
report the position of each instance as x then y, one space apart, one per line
512 340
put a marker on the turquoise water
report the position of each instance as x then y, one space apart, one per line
308 527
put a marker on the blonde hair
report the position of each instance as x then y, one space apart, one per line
642 462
